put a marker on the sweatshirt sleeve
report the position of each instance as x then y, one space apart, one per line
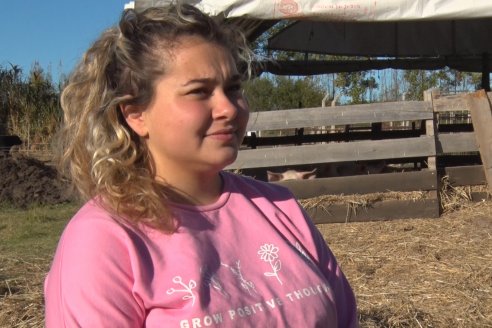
302 226
91 279
315 244
344 296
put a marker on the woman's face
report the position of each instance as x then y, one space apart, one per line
198 116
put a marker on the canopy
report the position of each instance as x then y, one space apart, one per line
406 34
338 10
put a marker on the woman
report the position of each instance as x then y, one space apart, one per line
153 114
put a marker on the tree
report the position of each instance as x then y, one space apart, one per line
29 106
354 85
280 92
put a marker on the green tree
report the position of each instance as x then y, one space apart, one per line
29 106
280 92
418 82
352 86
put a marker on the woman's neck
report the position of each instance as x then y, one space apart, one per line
194 189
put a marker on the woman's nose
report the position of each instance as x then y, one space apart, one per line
225 106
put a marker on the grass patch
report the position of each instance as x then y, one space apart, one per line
33 231
28 238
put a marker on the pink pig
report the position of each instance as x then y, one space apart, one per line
291 175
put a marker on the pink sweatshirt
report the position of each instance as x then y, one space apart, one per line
252 259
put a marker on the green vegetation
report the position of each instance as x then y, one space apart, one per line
34 232
280 92
29 105
28 239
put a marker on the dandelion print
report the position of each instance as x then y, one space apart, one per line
247 285
187 289
209 279
269 254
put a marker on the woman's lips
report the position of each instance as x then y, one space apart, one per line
223 134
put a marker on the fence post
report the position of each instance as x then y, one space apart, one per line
431 125
431 130
482 121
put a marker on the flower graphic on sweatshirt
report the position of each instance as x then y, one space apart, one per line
186 289
245 284
269 254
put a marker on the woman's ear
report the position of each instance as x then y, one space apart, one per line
135 118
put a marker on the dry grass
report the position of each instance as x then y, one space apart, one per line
420 272
21 294
405 273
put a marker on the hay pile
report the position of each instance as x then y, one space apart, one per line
21 292
420 272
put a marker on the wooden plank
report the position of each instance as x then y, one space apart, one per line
453 103
482 122
363 184
456 143
379 211
430 125
480 196
335 152
253 141
340 115
465 175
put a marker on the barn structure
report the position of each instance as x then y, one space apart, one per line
399 34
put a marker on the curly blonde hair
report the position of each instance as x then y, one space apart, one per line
104 158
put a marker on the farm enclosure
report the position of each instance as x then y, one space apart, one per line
413 137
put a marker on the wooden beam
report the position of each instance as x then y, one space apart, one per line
465 175
340 115
335 152
456 143
482 123
452 103
430 124
380 211
363 184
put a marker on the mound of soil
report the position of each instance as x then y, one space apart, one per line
25 181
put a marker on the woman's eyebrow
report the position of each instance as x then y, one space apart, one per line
200 80
233 79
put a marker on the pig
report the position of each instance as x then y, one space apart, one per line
330 170
291 175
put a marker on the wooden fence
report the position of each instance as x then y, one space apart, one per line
366 133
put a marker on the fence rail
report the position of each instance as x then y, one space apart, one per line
422 140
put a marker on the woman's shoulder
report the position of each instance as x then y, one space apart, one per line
263 193
92 212
250 185
94 224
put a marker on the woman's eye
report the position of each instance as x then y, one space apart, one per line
199 93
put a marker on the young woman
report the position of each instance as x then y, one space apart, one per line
153 113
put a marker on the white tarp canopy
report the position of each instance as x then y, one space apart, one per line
405 34
339 10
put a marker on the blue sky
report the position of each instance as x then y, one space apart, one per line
54 33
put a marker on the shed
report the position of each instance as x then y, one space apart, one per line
399 34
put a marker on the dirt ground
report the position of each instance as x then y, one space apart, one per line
25 181
406 273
